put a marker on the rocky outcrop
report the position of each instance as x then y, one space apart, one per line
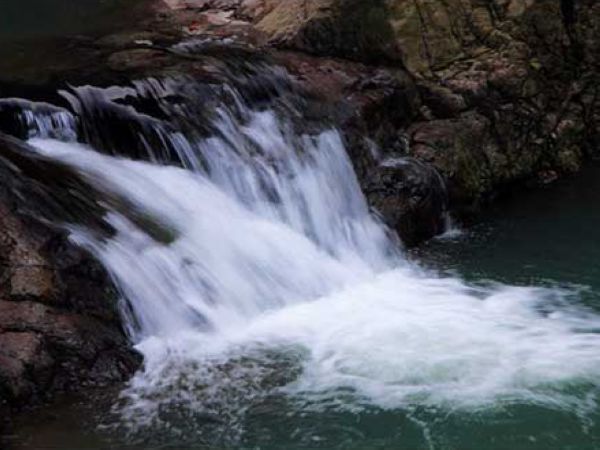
353 29
59 323
508 88
411 196
492 94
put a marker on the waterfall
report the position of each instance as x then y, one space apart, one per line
274 280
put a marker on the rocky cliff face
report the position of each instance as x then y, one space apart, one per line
507 89
492 94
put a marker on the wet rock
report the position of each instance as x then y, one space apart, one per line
32 281
24 364
370 105
482 91
411 197
24 119
58 308
495 82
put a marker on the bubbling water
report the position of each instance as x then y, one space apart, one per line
278 282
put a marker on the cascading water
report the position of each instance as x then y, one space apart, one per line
274 283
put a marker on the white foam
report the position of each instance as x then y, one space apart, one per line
275 250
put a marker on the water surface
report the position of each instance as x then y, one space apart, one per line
402 359
549 236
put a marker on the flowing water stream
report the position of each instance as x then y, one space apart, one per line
276 311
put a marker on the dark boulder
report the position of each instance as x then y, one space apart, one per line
411 197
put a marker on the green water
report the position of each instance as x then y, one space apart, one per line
73 426
547 237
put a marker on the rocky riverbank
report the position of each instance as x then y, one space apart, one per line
492 94
444 105
59 327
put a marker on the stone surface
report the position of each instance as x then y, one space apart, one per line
352 29
493 94
411 197
508 89
58 309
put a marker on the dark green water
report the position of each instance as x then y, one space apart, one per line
547 237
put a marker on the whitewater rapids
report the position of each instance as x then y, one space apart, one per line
279 280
